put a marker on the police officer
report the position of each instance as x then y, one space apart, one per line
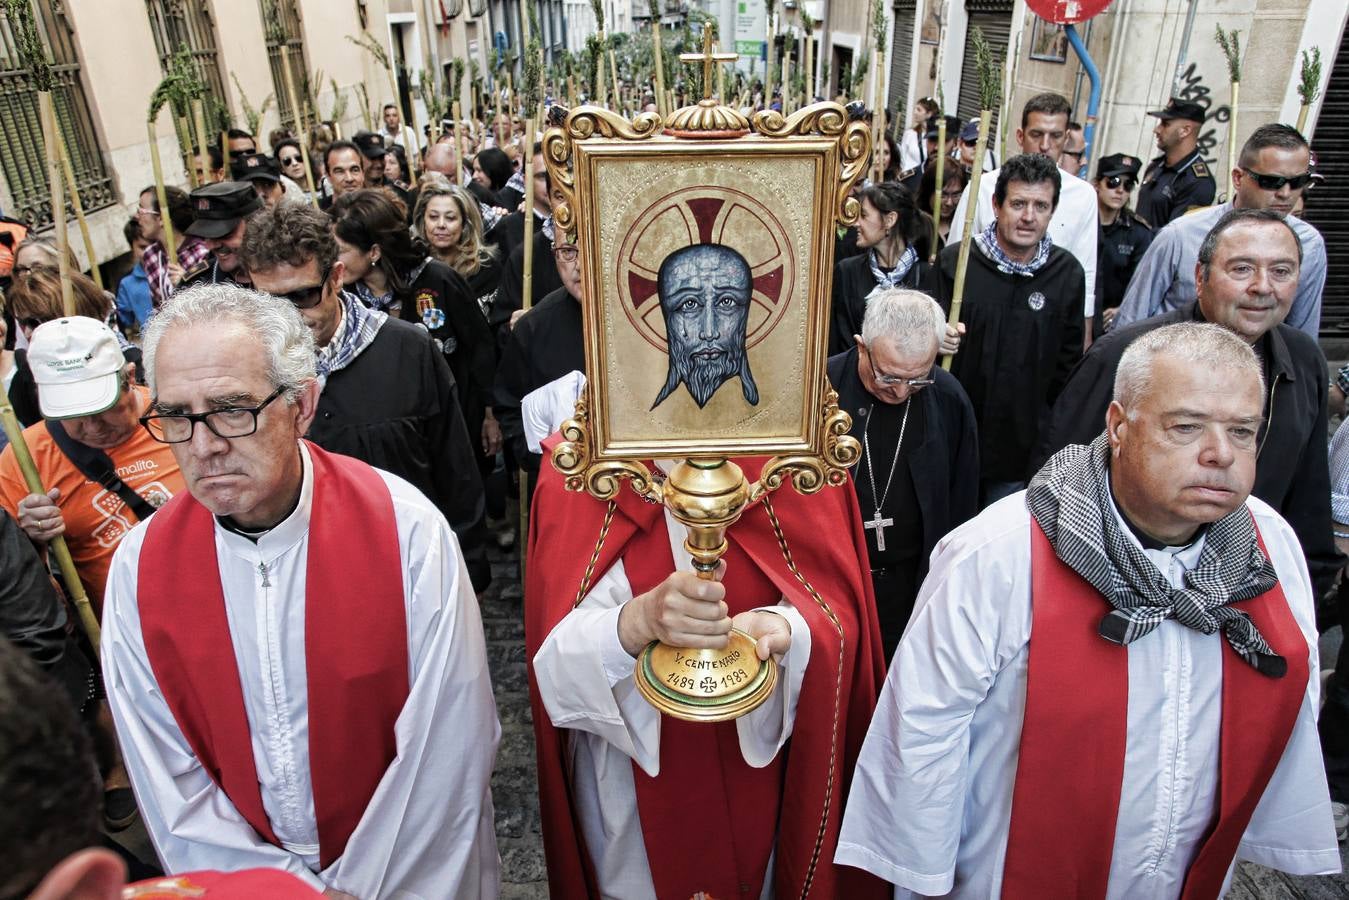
1122 237
221 210
372 150
1178 180
261 171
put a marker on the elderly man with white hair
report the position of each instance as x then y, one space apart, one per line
1109 686
918 477
292 648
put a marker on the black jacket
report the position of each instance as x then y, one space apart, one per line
853 281
509 294
1023 337
547 343
945 467
1292 473
396 408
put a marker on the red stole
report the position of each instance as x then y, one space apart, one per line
1070 769
714 833
356 656
837 697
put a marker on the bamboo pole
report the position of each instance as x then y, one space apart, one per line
1230 43
170 242
75 201
225 151
289 78
613 71
658 47
454 155
963 261
941 183
571 91
809 70
57 545
199 123
51 138
185 128
1232 139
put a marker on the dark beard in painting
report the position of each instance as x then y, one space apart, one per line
703 375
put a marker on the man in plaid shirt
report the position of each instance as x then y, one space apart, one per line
162 275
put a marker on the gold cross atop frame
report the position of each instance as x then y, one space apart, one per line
708 58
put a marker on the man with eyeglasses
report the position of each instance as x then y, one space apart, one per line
1074 149
544 343
388 397
1272 172
1248 270
292 648
1179 180
1124 237
919 473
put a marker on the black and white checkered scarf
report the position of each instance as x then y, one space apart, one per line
1070 498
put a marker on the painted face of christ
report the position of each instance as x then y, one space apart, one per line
704 295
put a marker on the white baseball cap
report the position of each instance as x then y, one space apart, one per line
76 362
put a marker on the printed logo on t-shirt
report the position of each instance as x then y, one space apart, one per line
117 520
1036 301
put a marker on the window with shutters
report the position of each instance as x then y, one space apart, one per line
281 24
901 56
995 18
1328 203
188 23
22 156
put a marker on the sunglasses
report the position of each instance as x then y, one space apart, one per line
309 297
1114 181
1276 182
290 160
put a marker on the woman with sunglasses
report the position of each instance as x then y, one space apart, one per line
291 162
390 270
1123 237
892 235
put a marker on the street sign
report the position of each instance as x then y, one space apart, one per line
1067 12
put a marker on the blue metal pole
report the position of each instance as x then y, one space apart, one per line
1094 75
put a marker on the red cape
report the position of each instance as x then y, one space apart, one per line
838 694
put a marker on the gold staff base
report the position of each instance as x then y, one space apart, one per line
707 496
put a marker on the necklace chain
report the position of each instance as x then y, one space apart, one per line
894 463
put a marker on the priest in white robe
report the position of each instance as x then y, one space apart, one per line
621 785
1158 722
345 729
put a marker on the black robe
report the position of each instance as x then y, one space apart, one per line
853 281
547 343
395 407
509 294
1292 472
1023 337
942 468
464 338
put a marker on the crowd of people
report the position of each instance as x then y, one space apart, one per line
279 456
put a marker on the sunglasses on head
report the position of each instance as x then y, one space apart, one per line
1276 182
1114 181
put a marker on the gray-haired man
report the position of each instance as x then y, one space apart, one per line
919 473
292 649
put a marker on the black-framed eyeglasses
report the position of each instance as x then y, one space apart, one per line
895 380
1114 181
25 271
1276 182
226 423
309 297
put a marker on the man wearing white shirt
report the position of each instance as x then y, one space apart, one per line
278 705
1044 128
639 806
1162 723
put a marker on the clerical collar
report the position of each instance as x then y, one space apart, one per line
1149 542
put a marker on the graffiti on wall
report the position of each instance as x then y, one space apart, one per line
1192 88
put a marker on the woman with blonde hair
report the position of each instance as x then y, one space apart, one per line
447 219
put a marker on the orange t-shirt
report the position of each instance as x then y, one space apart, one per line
96 519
